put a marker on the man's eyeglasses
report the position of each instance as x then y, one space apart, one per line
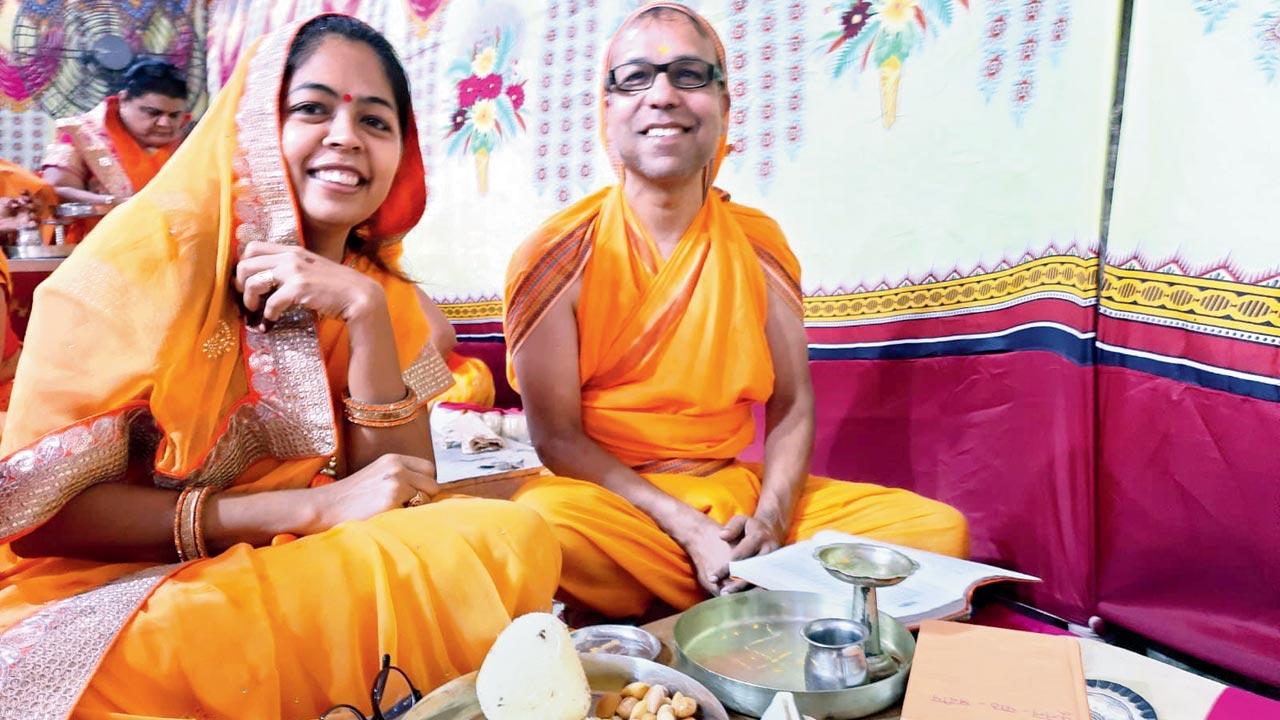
392 696
689 74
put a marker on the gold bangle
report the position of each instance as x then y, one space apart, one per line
372 423
177 524
197 525
384 415
188 523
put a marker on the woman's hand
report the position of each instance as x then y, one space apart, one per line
390 482
273 278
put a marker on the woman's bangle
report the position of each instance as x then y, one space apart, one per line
384 415
188 523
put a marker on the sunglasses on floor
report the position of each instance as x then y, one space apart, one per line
392 696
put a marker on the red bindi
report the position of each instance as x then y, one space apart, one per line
346 97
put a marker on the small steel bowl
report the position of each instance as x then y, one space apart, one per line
865 564
616 640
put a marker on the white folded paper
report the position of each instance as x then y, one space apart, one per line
783 707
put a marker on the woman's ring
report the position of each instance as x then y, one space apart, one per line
419 498
267 278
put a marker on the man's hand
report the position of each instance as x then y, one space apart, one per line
748 536
708 551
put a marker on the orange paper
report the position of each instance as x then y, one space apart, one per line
970 672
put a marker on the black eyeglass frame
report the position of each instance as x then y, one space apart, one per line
375 694
715 74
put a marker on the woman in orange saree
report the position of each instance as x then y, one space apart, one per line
217 347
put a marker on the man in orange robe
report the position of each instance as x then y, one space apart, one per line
643 324
108 154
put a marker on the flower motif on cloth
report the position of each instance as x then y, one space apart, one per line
765 56
1268 36
490 99
1266 31
565 95
1016 36
883 34
1214 11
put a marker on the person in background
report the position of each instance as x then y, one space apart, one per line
111 152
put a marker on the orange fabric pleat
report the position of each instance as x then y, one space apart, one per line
671 357
617 560
285 632
472 382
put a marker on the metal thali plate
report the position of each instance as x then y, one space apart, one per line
749 646
456 700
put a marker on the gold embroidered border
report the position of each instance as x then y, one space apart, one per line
1202 301
480 310
682 466
1058 273
95 148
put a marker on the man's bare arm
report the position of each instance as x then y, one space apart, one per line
546 366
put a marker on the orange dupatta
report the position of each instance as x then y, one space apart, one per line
137 358
672 354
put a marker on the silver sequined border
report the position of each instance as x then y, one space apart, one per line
47 659
428 375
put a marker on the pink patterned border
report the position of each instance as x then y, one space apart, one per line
1075 249
1174 265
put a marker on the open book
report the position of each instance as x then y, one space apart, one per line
940 590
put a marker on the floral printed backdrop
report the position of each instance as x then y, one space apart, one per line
896 141
899 142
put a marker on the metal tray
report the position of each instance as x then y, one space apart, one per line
747 647
38 251
456 700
